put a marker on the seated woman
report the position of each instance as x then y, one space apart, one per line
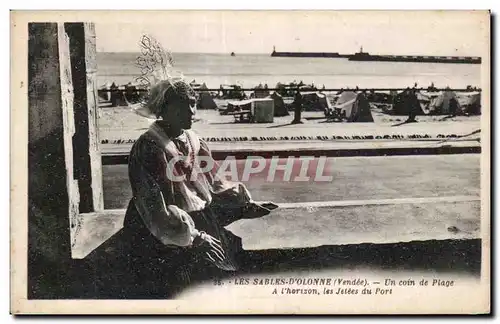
174 215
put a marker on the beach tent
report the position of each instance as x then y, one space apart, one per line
314 101
427 100
406 100
361 112
205 100
469 102
446 103
442 102
333 98
340 102
354 106
279 105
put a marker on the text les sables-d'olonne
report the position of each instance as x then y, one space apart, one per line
343 286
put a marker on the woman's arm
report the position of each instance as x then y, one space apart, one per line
219 184
153 197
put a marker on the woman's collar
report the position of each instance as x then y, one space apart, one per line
159 128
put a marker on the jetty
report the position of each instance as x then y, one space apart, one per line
367 57
307 54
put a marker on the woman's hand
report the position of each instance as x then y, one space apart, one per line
210 247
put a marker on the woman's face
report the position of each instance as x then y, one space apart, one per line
180 112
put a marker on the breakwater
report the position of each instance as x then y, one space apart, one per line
367 57
309 54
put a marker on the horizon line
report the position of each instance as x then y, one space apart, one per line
173 52
269 53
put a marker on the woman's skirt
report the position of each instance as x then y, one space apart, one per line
211 220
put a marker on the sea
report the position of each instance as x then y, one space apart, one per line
250 70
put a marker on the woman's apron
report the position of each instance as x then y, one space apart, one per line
210 220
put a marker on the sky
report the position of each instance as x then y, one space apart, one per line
379 32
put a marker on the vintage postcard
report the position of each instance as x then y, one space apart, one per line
250 162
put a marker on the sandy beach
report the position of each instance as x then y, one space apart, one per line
121 126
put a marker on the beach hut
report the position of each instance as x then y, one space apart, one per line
262 110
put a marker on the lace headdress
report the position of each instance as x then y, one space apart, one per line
159 77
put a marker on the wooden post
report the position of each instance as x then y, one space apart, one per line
86 140
64 160
53 193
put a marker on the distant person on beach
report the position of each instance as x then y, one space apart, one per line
130 92
114 94
297 104
181 221
412 104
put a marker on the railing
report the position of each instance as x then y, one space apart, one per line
306 90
